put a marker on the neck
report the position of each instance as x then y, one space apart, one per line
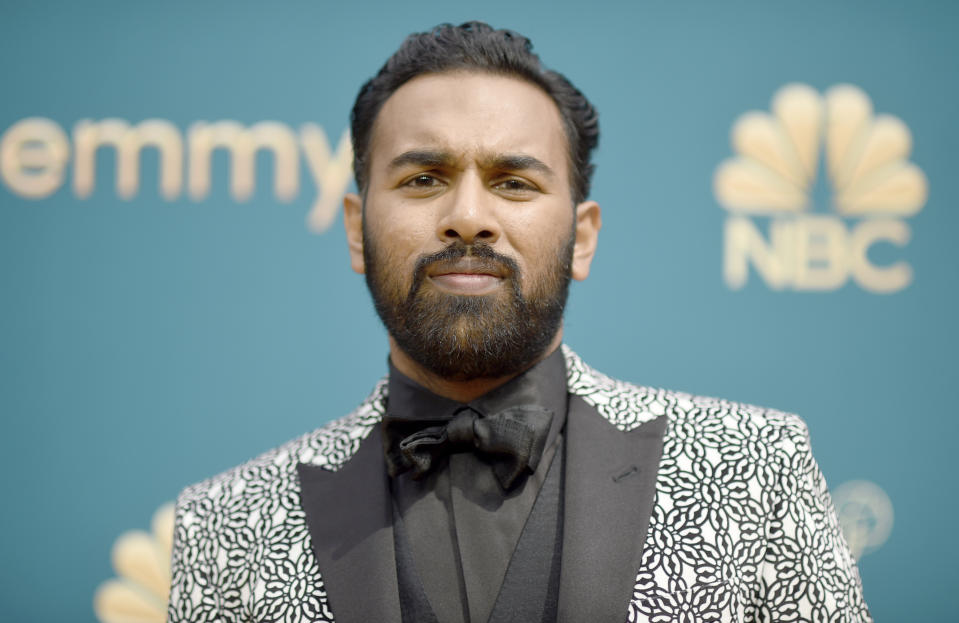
460 391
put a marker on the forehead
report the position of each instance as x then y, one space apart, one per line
471 116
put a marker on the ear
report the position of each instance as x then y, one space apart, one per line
588 223
353 222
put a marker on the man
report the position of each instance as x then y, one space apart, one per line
494 476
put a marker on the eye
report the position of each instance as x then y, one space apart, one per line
422 180
422 185
515 186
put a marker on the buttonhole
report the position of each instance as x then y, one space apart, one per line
632 469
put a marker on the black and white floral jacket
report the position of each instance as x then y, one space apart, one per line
678 508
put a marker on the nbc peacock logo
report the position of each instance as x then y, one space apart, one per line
774 183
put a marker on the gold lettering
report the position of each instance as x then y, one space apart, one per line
33 157
330 173
243 143
128 141
745 243
881 280
34 154
820 253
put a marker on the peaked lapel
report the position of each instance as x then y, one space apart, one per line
610 489
350 518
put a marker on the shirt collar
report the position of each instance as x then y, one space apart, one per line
543 385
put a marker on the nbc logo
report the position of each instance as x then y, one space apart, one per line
773 178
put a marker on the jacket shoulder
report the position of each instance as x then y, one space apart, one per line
329 446
231 530
627 406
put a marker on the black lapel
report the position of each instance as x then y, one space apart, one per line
350 518
610 489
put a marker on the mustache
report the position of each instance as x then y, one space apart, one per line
482 254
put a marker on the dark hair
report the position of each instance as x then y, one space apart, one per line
475 46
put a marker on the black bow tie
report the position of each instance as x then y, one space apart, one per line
511 440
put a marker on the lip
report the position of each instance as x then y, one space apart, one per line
466 283
467 275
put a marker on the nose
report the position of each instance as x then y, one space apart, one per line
470 214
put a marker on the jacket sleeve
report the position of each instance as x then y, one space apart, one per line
808 573
196 595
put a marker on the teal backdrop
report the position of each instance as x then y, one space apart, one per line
149 342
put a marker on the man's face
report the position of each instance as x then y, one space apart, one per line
468 231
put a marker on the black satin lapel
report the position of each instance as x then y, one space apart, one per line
349 515
610 489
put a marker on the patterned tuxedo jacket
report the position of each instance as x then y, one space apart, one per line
677 508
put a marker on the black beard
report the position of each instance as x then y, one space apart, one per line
463 337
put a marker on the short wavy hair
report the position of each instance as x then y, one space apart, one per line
476 46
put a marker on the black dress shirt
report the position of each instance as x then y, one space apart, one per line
461 524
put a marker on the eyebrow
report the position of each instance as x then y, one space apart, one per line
519 162
422 158
505 162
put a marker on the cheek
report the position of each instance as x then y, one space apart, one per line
398 242
384 259
537 242
409 227
403 231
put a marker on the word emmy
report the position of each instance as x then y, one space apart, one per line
873 183
35 152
